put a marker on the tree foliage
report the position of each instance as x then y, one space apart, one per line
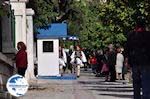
112 20
96 23
45 11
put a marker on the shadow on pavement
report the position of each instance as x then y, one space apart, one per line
100 83
118 95
114 89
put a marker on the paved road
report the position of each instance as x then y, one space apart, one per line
86 87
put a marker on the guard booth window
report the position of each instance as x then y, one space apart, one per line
48 46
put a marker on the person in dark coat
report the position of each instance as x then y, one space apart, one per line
105 68
21 58
138 53
99 57
111 61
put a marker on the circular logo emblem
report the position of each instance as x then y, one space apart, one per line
17 85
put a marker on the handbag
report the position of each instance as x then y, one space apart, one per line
104 68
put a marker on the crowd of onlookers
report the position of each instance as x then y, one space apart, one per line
109 62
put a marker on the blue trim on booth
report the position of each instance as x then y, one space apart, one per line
50 36
54 30
64 77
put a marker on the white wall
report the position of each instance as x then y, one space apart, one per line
30 70
48 64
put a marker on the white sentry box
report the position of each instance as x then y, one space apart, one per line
48 57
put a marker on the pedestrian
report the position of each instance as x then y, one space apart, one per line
127 72
105 68
62 60
85 50
138 52
77 59
93 62
112 62
21 59
119 63
99 56
71 49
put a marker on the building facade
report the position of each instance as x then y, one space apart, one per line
6 43
16 24
24 31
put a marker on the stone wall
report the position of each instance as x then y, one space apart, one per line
6 70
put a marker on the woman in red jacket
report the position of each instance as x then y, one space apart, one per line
21 58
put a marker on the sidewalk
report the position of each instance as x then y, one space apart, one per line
86 87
